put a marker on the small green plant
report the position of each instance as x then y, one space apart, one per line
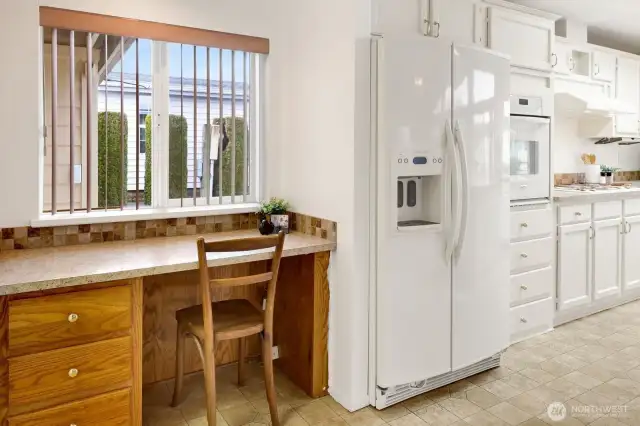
273 206
608 169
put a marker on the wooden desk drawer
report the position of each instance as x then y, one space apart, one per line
51 322
111 409
47 379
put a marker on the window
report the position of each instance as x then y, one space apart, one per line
150 123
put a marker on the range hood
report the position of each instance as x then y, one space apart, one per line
577 102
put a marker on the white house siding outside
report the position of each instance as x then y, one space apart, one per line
111 102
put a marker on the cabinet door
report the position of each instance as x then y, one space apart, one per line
606 257
604 66
627 91
527 39
574 265
562 62
630 250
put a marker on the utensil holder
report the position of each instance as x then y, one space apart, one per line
592 173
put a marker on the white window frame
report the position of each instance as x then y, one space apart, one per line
162 206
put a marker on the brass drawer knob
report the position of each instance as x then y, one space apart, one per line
524 224
524 287
578 214
524 255
73 372
523 320
72 317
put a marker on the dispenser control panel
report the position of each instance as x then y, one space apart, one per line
418 164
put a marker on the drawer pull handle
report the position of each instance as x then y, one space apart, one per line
524 224
578 214
73 372
523 320
524 255
524 287
523 186
73 317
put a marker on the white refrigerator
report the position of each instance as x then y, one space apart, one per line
441 265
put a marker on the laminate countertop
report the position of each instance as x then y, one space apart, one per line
41 269
580 197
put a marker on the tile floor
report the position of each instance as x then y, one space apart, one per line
589 365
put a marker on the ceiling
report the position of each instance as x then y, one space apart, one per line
612 23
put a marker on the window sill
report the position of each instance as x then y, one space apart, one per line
81 218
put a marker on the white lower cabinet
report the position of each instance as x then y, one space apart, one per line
630 252
531 271
574 265
597 262
606 258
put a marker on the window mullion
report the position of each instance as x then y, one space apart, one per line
160 123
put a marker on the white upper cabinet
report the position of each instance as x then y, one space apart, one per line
628 91
528 39
603 66
562 58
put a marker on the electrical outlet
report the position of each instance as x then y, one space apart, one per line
274 352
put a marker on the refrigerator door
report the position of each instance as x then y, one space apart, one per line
480 291
413 303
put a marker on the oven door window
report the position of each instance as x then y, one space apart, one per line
525 156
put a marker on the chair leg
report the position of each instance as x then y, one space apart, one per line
179 376
242 353
269 382
209 364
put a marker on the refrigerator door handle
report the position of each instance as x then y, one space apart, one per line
464 193
451 177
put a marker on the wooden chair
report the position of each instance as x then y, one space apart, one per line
211 323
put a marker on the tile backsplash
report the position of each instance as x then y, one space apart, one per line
32 238
569 178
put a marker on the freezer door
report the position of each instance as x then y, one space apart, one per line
413 303
480 290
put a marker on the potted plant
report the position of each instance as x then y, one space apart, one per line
607 172
273 216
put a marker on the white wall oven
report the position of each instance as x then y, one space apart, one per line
529 150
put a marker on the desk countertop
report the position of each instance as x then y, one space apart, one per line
41 269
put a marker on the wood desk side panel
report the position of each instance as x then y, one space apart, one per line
168 293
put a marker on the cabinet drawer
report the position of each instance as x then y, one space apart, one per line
528 224
530 319
607 210
531 286
110 409
51 322
575 214
528 255
56 377
632 207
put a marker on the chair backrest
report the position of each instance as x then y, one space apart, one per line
237 245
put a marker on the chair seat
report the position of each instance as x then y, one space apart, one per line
232 319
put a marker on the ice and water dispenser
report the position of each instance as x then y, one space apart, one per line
419 193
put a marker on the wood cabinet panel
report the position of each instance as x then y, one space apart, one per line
46 379
57 321
109 409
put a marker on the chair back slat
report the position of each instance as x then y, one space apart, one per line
241 281
242 244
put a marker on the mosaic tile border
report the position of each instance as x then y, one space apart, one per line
569 178
22 238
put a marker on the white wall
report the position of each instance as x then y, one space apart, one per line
309 123
569 146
